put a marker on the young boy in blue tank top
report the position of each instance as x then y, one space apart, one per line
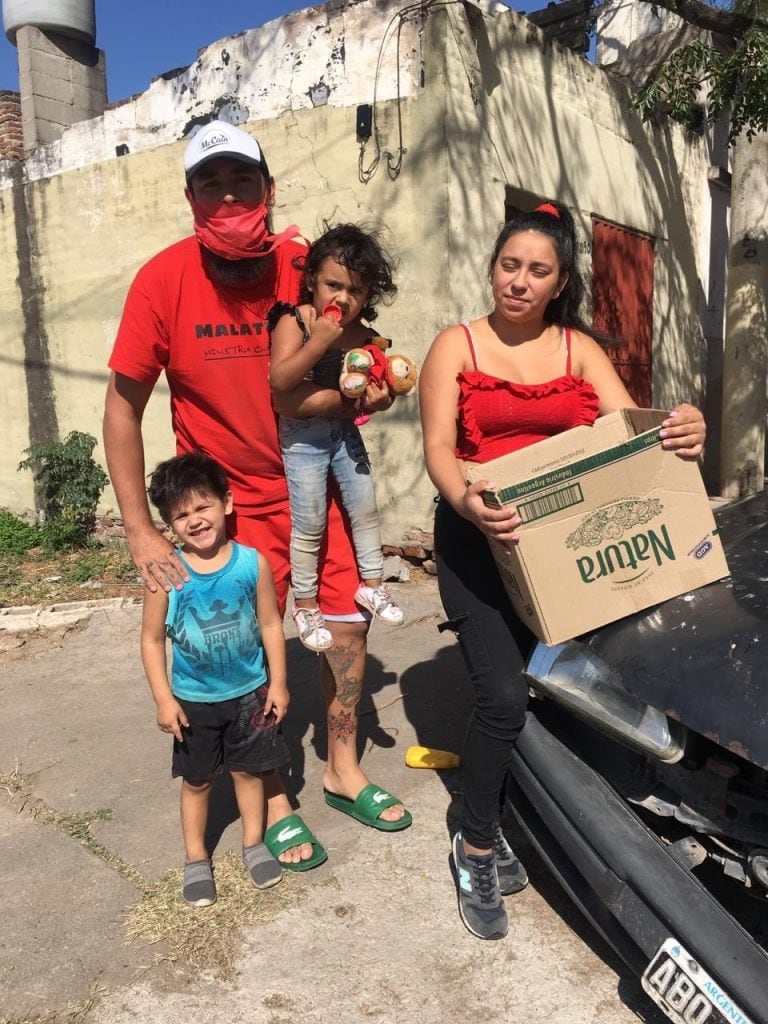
227 693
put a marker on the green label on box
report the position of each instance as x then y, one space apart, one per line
576 469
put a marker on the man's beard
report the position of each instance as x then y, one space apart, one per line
236 272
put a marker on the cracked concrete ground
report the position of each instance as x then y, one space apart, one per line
375 936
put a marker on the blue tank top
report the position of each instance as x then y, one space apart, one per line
212 625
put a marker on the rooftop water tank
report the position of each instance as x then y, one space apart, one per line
73 18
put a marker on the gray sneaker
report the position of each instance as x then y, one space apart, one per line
264 869
480 904
199 889
512 874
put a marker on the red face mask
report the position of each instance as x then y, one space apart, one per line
236 231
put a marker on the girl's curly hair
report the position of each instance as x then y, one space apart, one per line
362 253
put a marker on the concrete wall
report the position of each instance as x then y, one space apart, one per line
259 74
62 80
484 105
623 22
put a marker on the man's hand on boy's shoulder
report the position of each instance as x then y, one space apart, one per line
277 701
156 559
171 718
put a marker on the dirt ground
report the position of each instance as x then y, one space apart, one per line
102 571
371 935
39 578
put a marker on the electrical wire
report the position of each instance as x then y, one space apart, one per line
394 166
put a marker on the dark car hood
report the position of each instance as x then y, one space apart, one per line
703 657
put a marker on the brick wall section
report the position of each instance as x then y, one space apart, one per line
417 547
11 136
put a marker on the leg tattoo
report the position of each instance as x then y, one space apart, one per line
342 726
348 686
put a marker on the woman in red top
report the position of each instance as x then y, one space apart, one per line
530 369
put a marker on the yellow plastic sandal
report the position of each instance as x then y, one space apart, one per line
430 757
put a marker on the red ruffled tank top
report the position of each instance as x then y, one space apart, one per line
497 416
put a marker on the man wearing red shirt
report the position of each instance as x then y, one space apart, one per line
197 311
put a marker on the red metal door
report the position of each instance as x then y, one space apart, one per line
622 302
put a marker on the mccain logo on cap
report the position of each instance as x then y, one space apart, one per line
217 138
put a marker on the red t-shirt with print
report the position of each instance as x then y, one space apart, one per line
213 345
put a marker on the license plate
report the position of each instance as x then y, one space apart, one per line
684 990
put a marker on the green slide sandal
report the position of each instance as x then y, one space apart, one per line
367 806
290 832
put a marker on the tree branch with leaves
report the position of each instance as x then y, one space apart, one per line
734 76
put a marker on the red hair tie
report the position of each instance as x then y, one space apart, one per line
548 208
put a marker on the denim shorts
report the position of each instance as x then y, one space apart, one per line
228 735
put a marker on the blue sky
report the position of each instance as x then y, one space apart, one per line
143 38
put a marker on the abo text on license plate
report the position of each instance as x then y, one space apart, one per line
684 990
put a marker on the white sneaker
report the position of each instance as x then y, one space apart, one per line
380 603
313 632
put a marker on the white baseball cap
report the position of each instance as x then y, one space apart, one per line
218 138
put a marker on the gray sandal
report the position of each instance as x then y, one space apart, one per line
264 869
199 886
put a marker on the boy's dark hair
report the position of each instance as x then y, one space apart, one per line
176 478
362 253
554 220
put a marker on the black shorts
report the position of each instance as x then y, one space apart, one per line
229 735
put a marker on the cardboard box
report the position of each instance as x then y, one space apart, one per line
612 523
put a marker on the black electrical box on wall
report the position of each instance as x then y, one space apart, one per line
364 122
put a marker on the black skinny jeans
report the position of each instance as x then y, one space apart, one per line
495 644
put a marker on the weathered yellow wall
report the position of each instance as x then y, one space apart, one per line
103 221
499 108
92 229
15 488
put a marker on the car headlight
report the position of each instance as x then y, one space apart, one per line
576 677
